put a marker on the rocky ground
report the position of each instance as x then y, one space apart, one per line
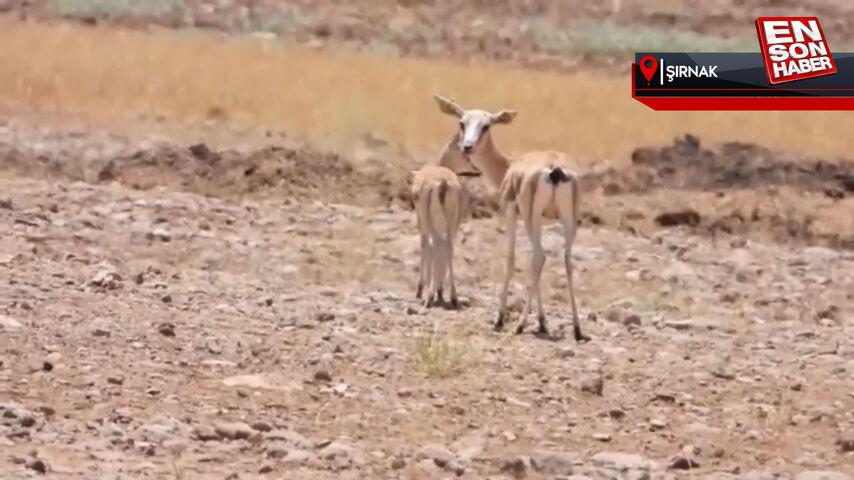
190 311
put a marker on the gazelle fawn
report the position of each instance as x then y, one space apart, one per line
538 186
441 205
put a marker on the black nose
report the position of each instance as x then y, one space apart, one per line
467 149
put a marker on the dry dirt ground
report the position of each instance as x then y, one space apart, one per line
186 311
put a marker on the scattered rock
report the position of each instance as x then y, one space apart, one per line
262 426
632 320
594 385
297 456
159 234
723 374
160 431
821 475
202 152
233 430
9 324
441 455
101 333
255 381
682 462
341 455
213 346
322 376
758 475
846 443
621 461
550 462
470 447
677 218
276 450
106 280
205 433
398 463
517 466
602 437
657 424
166 329
37 465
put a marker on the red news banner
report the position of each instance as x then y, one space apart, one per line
794 48
794 70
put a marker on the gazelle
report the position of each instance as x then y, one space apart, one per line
441 205
538 186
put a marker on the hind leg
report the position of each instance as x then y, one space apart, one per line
439 267
449 247
569 229
424 267
538 259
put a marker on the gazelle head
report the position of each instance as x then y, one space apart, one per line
474 124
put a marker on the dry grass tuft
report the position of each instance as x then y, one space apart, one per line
101 73
439 356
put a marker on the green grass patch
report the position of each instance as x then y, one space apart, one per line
604 37
113 8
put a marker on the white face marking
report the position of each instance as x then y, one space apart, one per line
472 126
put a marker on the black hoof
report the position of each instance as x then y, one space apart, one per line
520 328
455 303
580 337
541 326
499 324
440 297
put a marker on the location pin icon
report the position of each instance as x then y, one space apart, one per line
648 66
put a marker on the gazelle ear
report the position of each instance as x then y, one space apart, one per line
504 116
447 106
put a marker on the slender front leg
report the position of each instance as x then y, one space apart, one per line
510 226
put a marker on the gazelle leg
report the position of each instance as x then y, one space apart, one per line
432 270
449 249
538 260
510 226
424 268
570 227
440 255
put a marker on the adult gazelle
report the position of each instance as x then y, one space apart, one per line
537 186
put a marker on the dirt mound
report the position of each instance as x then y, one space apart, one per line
273 170
727 189
731 188
685 164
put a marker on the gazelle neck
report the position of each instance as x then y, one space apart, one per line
491 162
451 149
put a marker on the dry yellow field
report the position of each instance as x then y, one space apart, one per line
332 99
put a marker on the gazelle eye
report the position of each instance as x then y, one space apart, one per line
485 128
